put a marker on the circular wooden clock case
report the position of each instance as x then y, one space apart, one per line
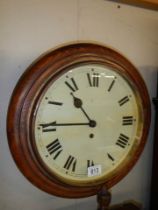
78 119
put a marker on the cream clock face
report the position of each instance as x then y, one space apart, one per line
87 123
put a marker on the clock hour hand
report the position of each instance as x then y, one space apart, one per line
77 101
78 104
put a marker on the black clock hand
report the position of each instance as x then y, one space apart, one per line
78 104
77 101
85 114
45 125
91 123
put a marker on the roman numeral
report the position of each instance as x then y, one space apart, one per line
93 79
127 120
72 85
122 140
110 157
54 148
55 103
48 129
45 127
111 85
123 100
90 163
70 163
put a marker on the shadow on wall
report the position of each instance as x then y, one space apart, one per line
89 203
150 73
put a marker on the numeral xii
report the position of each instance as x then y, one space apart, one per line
93 79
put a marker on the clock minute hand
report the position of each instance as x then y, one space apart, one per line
44 125
70 124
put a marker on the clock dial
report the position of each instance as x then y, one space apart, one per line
90 116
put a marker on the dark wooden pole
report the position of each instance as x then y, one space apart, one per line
103 199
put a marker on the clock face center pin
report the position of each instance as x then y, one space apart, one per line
92 123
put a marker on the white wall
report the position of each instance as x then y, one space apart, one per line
29 28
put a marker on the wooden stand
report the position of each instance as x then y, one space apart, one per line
104 199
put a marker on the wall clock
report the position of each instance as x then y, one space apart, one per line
78 119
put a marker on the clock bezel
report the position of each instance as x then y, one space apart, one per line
27 94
